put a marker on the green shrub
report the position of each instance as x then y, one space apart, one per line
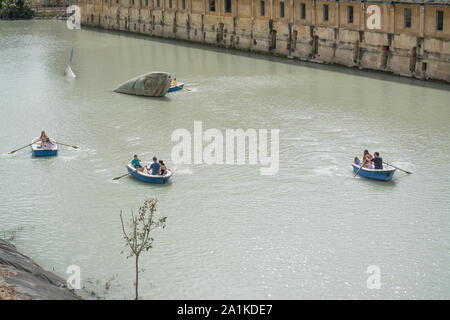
15 9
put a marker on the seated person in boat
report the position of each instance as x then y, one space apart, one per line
174 82
136 163
154 167
357 161
47 145
43 138
163 168
378 161
367 158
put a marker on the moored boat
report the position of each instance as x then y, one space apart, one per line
145 177
384 174
38 151
176 88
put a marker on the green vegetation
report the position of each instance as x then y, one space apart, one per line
15 9
137 234
45 14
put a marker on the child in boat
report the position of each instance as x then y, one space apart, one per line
357 161
163 168
378 161
136 163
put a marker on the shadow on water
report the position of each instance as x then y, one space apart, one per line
372 74
164 99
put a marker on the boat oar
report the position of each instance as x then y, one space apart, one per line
21 148
360 168
124 175
117 178
397 168
67 145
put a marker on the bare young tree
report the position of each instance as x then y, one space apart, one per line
138 236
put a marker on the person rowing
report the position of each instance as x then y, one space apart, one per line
367 157
43 138
136 163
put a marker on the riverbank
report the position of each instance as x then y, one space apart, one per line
23 279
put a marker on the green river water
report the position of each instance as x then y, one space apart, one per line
310 231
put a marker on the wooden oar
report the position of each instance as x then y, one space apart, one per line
397 168
21 148
360 168
124 175
67 145
117 178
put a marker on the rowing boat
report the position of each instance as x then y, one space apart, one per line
38 151
176 88
145 177
384 174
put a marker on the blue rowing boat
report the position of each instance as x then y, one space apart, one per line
38 151
145 177
176 88
384 174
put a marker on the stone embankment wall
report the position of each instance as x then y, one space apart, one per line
406 37
22 279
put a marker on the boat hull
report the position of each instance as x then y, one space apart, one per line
375 174
176 88
149 178
37 150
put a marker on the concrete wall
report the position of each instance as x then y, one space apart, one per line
419 51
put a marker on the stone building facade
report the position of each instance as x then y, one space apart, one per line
405 37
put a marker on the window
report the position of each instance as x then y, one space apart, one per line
303 11
106 1
132 1
212 5
325 12
158 4
281 9
117 1
263 8
407 18
228 6
350 14
184 4
146 3
170 4
439 20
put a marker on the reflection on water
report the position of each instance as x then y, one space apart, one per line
311 231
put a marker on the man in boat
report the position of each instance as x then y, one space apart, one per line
377 161
174 82
136 163
155 167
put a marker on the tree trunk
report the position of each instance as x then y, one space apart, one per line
137 278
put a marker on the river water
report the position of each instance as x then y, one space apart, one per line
310 231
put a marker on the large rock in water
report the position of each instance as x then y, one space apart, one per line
153 84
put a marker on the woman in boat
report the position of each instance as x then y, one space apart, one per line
367 159
43 138
163 168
